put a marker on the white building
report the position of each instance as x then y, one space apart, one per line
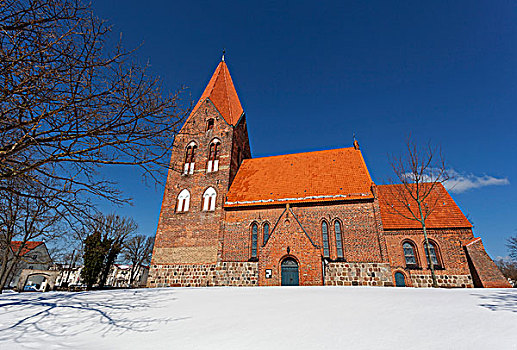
33 256
120 276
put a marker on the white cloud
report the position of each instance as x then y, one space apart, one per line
464 182
459 182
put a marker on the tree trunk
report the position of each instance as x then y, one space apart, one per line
427 247
7 269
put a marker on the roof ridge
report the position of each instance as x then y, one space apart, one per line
299 153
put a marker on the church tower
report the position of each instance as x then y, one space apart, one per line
206 155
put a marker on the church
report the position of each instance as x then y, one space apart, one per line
308 219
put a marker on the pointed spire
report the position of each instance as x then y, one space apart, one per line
221 92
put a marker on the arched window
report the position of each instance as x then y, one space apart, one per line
266 232
325 234
210 124
183 201
339 241
409 254
254 233
433 251
213 156
190 159
209 198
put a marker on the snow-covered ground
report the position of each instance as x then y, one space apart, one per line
261 318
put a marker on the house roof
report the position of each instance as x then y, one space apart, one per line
15 245
446 213
338 174
221 91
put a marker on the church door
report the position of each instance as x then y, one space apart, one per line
400 280
290 272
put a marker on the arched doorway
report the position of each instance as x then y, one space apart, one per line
290 272
36 283
400 279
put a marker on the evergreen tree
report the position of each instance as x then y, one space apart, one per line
95 251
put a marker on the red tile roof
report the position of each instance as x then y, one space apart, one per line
221 91
15 245
338 174
446 214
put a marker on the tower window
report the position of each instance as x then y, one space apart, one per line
209 198
325 234
209 124
213 156
339 241
254 229
183 201
266 232
190 159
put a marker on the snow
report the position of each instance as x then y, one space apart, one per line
261 318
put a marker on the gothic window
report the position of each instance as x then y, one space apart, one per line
213 156
254 233
339 241
266 232
434 256
409 254
183 201
209 198
190 159
325 234
209 124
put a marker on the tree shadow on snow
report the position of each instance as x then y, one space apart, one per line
63 315
502 300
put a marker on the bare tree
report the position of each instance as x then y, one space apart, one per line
509 270
138 251
69 106
418 189
24 219
511 243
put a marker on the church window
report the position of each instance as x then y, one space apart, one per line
339 241
183 201
409 254
254 232
434 256
209 198
266 232
325 234
213 156
209 124
190 159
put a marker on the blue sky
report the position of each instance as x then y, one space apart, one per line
310 74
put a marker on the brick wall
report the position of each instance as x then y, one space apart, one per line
451 255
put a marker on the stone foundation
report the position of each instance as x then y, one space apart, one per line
222 274
448 281
358 274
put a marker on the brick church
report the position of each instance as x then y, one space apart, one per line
308 219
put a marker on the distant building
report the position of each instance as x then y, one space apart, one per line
120 275
34 256
313 218
69 276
